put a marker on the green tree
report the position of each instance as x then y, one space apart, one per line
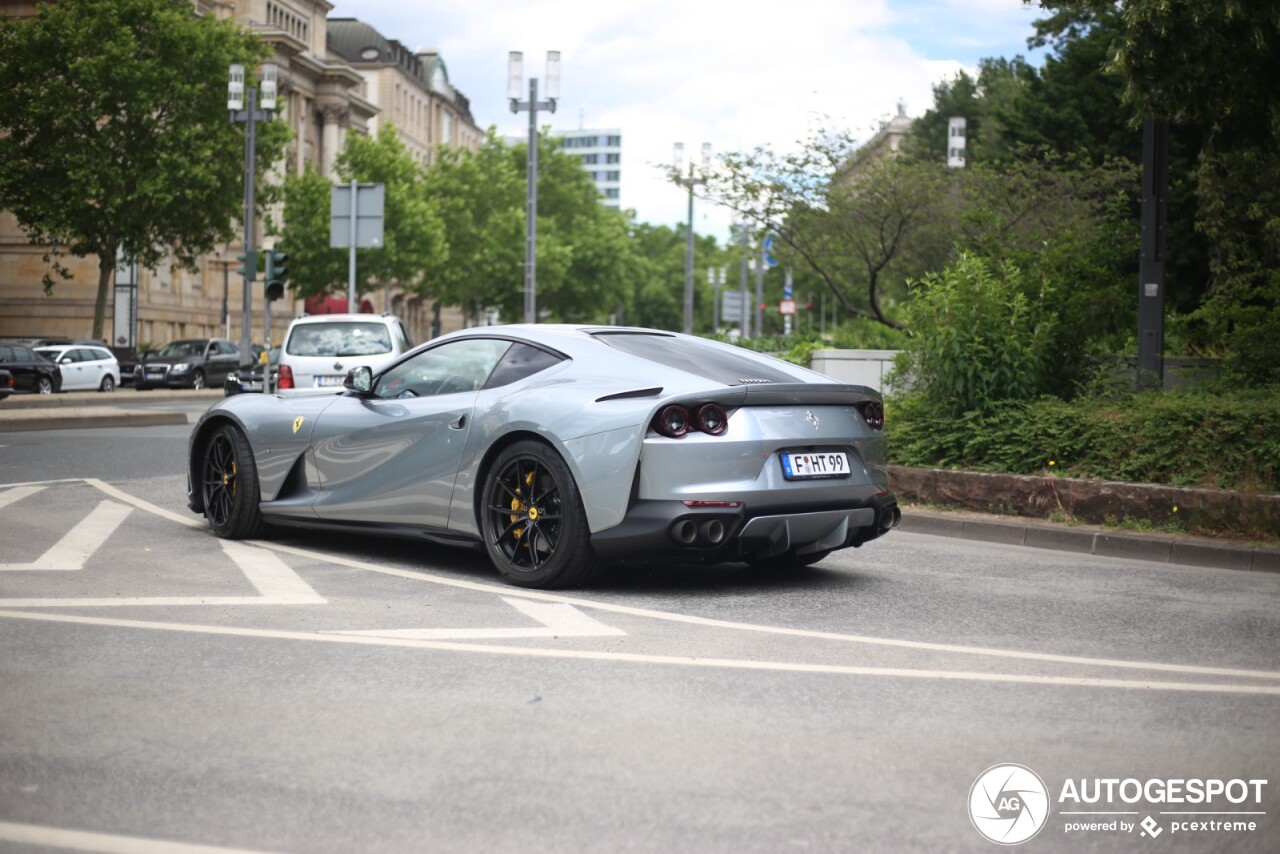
413 241
114 132
479 197
860 221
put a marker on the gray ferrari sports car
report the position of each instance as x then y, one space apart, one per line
559 449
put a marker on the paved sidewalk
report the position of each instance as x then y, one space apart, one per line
95 409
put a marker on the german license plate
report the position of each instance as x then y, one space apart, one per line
815 464
329 381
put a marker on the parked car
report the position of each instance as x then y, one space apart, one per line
32 373
6 383
319 349
558 448
84 367
191 363
249 378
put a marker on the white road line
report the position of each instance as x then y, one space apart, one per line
76 547
80 840
558 621
277 584
678 661
273 578
17 494
423 576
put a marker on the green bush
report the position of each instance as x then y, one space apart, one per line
1193 438
982 333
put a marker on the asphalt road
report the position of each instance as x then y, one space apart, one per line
319 693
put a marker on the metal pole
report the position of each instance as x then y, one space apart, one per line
1155 182
250 151
688 262
744 322
760 292
716 284
226 314
351 258
531 212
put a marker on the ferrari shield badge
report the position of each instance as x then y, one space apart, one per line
297 423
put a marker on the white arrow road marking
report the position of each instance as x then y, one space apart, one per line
71 552
17 494
558 621
108 843
274 580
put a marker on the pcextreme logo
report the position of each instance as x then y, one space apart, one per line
1008 804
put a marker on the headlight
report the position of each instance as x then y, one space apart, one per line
180 368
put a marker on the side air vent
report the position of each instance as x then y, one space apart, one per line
753 382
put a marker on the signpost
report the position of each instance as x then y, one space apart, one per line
356 222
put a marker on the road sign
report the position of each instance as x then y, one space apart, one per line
731 306
787 306
769 260
369 203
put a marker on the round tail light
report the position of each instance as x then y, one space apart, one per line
873 413
672 421
712 419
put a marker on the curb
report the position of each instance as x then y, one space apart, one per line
1170 549
80 418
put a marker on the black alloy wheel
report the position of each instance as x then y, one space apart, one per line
229 484
197 382
535 529
108 383
44 385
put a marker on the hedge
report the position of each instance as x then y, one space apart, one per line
1194 438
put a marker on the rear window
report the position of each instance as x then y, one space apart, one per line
342 338
692 357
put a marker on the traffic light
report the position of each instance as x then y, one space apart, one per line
248 265
277 274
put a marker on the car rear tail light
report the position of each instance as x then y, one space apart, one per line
873 413
712 419
284 377
672 421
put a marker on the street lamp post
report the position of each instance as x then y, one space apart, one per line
515 75
692 181
236 105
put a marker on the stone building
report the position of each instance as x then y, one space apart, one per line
323 97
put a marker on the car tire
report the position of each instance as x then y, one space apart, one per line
44 385
229 485
108 383
197 382
789 561
532 520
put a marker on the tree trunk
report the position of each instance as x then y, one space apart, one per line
106 267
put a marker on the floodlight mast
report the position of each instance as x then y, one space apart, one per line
515 75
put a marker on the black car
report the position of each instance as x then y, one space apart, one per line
190 363
32 373
249 377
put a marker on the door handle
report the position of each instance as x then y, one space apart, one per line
459 422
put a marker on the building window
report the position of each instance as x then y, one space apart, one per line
611 192
612 158
591 158
614 141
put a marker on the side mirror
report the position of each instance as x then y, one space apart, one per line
359 380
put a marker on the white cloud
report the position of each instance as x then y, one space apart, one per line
735 74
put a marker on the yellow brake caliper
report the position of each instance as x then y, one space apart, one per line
517 504
230 479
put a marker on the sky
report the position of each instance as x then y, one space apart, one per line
735 73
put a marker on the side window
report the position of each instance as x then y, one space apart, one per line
519 362
454 367
6 353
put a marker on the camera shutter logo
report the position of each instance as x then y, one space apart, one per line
1008 804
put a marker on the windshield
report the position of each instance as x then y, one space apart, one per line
182 348
354 338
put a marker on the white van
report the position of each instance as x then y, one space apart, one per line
319 349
